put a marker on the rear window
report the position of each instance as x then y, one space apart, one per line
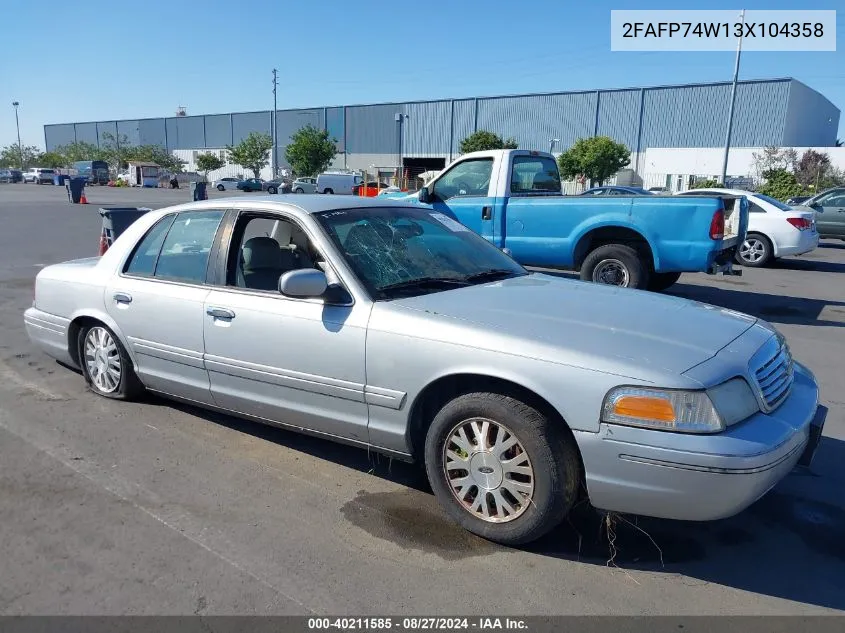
47 171
772 201
535 174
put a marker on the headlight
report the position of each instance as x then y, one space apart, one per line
666 410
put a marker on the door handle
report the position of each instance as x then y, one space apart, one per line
220 313
122 297
486 213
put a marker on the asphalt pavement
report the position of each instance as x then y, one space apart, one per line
155 508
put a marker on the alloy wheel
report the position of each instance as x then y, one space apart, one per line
102 360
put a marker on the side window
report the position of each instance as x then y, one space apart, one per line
143 260
184 254
534 174
755 208
834 200
469 178
264 248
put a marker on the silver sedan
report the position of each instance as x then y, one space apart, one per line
398 329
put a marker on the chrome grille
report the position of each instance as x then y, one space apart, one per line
773 373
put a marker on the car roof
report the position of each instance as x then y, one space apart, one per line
305 204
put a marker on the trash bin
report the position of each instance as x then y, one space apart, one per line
115 221
59 179
75 186
198 191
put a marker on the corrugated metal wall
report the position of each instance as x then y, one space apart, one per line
772 112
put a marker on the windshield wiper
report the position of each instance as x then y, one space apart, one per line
424 282
490 275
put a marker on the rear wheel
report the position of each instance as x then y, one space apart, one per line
755 251
272 190
106 366
500 468
299 190
221 188
328 191
615 265
661 281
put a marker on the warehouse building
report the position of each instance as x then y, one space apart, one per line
425 135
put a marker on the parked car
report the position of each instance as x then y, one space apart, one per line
39 175
276 185
522 394
774 229
11 175
339 183
224 184
304 185
250 184
658 189
513 198
615 190
829 207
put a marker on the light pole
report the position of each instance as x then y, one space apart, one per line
733 99
274 126
18 126
552 142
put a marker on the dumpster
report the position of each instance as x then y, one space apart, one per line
115 221
198 191
75 186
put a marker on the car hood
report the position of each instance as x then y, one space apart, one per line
605 328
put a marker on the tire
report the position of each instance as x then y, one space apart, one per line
755 252
661 281
617 261
127 386
328 191
221 188
548 450
299 190
272 190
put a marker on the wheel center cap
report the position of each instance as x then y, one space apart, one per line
486 470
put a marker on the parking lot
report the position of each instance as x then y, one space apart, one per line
156 508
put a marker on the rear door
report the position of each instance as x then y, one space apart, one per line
830 214
464 190
157 300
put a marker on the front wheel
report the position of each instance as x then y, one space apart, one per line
755 251
615 265
500 468
106 366
272 190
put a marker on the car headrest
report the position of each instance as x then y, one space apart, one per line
262 252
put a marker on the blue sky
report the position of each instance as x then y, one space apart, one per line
112 60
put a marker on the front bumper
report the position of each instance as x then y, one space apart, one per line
702 477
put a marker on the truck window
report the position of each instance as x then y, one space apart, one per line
468 178
535 174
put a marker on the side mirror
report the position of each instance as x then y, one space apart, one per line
425 195
307 282
816 206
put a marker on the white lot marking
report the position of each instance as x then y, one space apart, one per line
9 374
129 492
151 427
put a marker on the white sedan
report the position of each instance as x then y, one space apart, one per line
224 184
774 228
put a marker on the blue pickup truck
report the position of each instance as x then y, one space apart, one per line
513 198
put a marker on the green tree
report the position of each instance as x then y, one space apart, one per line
484 140
710 183
812 169
209 162
252 153
310 151
10 156
52 159
115 150
596 158
79 150
780 184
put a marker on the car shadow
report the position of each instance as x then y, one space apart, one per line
813 265
790 544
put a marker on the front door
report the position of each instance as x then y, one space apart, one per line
464 190
158 303
298 362
830 214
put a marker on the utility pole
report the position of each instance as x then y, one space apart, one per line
733 99
18 126
274 126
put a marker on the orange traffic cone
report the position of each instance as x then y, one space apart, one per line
83 199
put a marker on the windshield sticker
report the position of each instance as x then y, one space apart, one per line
449 222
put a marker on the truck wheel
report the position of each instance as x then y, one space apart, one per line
755 251
501 469
616 265
661 281
328 191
